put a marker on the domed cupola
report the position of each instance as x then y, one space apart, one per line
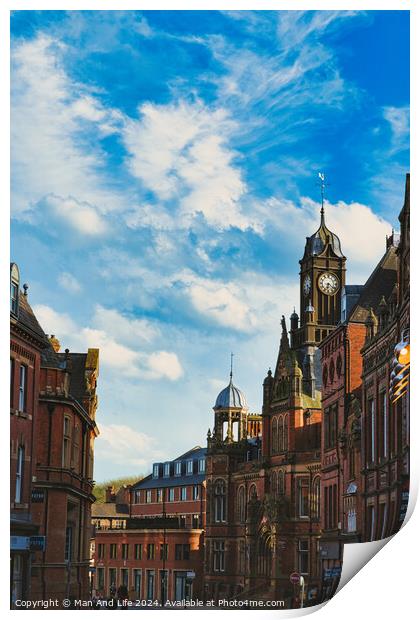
230 414
316 243
230 397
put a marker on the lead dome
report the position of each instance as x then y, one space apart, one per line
231 396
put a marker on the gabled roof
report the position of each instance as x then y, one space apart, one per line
380 283
28 320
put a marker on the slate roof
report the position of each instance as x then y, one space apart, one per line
381 282
109 510
28 320
316 243
352 292
77 376
195 454
76 363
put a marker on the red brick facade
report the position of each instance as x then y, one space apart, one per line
153 544
66 431
365 437
27 341
270 487
386 423
53 405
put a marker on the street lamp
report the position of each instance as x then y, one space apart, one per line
400 373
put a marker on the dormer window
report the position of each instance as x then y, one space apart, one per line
178 468
156 470
14 289
167 470
189 467
202 466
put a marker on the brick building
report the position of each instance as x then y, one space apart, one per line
342 397
365 437
150 537
65 430
27 341
52 404
263 493
385 424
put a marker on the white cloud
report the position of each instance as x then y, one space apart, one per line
124 445
165 364
361 231
297 27
53 322
193 166
83 217
248 304
51 153
69 283
117 339
399 120
126 330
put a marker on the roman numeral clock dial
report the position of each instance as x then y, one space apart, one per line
328 283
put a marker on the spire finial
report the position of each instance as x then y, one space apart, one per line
322 185
231 367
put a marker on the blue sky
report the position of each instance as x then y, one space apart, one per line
164 168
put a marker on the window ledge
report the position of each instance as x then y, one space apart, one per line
21 414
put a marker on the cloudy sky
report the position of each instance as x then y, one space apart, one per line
164 170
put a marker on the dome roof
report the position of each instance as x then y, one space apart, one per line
315 244
231 396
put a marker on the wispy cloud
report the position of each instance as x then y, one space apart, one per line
51 154
399 120
110 333
170 160
123 445
69 283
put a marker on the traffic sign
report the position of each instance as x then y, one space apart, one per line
295 578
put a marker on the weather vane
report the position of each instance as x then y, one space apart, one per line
322 184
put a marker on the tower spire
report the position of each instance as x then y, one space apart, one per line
322 185
231 367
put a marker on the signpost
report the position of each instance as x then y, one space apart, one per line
295 578
37 543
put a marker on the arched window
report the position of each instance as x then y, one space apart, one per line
240 504
332 370
252 493
325 376
219 501
274 436
281 434
281 482
264 558
273 483
286 432
339 365
316 498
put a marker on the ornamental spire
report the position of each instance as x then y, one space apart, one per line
322 184
231 367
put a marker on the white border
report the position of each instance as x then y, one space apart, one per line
386 586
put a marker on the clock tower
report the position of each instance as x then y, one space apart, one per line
322 277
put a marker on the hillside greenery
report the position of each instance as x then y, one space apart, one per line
117 483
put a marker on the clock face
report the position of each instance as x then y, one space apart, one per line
307 285
328 283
